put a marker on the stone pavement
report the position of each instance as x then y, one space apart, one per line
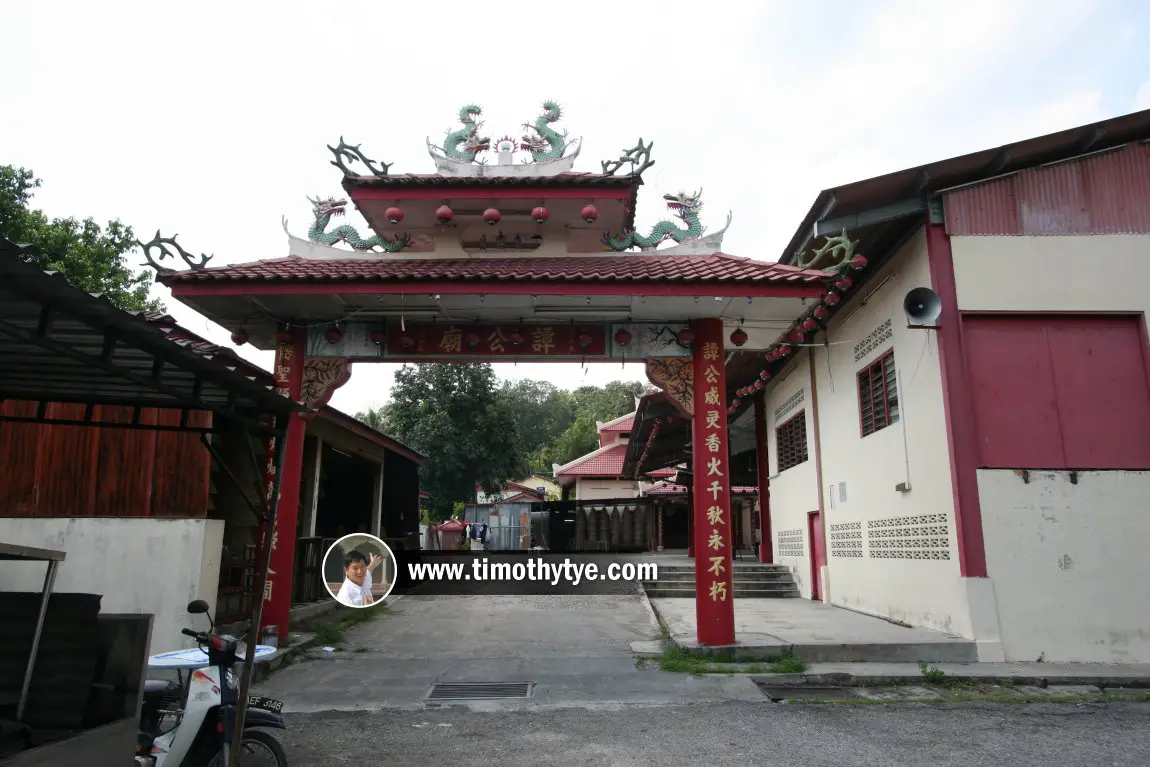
815 632
576 650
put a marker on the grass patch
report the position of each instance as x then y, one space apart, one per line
676 660
331 630
789 663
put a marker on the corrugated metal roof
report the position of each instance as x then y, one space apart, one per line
714 268
60 344
1105 193
930 179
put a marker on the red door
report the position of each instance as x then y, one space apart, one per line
818 553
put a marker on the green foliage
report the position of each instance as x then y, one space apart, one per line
90 258
452 414
475 430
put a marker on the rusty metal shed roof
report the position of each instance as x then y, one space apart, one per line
60 344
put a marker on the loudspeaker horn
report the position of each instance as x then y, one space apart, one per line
922 307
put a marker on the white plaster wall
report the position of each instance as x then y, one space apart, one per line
1069 564
602 489
925 592
151 566
1069 573
794 492
1052 273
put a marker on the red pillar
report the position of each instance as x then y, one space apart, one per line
288 373
711 491
763 469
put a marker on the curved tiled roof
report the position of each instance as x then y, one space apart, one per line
713 268
606 462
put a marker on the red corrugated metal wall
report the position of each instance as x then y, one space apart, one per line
1107 193
84 471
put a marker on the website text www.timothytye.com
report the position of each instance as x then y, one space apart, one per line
533 570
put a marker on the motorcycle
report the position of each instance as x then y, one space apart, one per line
204 706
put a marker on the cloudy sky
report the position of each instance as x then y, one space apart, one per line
210 119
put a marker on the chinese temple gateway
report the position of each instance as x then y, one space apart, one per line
506 252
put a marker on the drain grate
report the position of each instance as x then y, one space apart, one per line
810 692
480 691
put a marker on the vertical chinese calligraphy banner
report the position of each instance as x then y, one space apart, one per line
288 374
710 468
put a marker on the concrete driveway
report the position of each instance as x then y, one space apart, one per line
575 650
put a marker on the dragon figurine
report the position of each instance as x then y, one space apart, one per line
841 252
544 143
325 209
685 206
462 145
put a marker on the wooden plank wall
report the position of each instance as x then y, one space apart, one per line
85 471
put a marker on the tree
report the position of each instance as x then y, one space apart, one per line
454 415
90 258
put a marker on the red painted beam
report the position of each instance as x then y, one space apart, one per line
490 193
711 489
763 467
278 597
260 286
958 405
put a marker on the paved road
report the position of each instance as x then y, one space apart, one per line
575 649
736 734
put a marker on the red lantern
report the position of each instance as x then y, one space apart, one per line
333 335
444 214
821 312
765 375
378 337
472 340
686 336
491 216
739 337
393 215
795 336
858 262
589 214
584 339
239 337
784 350
735 405
731 410
406 342
622 337
809 325
515 337
844 283
831 298
540 215
759 385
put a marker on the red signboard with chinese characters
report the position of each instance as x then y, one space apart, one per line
497 341
711 471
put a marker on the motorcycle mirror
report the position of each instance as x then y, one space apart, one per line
197 607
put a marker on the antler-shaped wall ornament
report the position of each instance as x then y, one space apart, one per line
352 153
639 154
169 248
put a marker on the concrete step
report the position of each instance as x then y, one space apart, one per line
740 592
738 567
763 578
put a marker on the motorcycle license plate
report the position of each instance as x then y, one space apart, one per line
267 704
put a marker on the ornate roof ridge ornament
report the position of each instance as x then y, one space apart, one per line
841 253
169 248
640 155
324 209
689 241
546 144
549 149
352 153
